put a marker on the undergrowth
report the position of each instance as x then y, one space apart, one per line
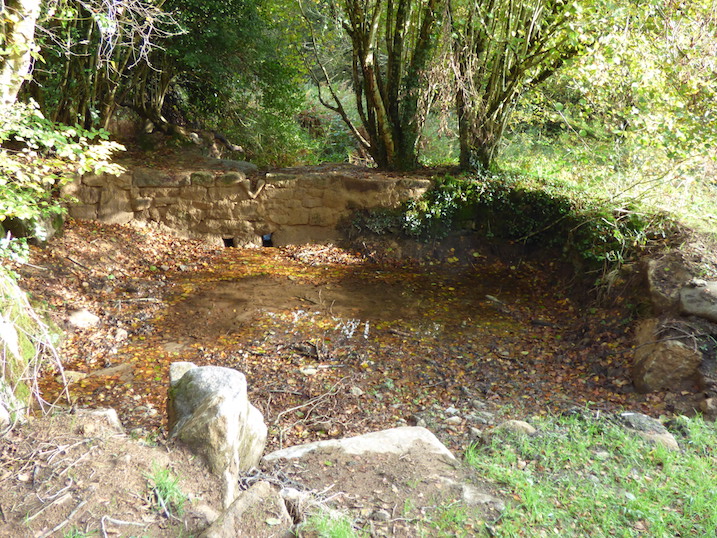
329 524
587 476
522 209
27 346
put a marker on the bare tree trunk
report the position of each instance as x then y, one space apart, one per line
502 48
18 32
392 45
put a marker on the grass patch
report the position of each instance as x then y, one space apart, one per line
448 520
329 524
587 476
167 497
622 174
77 533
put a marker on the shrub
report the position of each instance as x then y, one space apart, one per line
519 209
36 159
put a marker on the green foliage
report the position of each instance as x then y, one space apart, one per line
332 140
516 208
37 158
632 120
231 77
503 49
587 476
167 497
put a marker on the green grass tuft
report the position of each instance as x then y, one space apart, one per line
167 496
325 524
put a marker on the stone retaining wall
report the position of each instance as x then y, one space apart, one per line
298 206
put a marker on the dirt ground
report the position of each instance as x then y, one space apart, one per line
332 343
67 473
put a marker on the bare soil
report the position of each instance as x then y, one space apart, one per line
332 343
66 473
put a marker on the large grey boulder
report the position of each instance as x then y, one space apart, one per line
663 363
699 298
257 512
370 475
210 412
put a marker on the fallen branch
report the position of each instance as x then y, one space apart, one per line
66 521
73 260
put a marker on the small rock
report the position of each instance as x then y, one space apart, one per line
421 423
482 417
472 496
173 347
71 376
602 455
121 334
94 421
206 513
451 411
184 267
308 371
475 432
453 421
83 319
380 515
356 391
296 501
709 407
517 426
649 429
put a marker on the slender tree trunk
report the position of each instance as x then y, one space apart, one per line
18 31
393 42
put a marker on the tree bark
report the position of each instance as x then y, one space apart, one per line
500 50
18 33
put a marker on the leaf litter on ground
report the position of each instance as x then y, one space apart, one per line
332 343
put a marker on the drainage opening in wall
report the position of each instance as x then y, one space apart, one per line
229 242
266 240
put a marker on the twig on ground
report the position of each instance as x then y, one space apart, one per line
312 403
78 263
61 500
78 460
116 522
66 521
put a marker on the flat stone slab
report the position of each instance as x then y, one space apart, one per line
393 441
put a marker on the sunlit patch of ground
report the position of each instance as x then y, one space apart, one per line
331 344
